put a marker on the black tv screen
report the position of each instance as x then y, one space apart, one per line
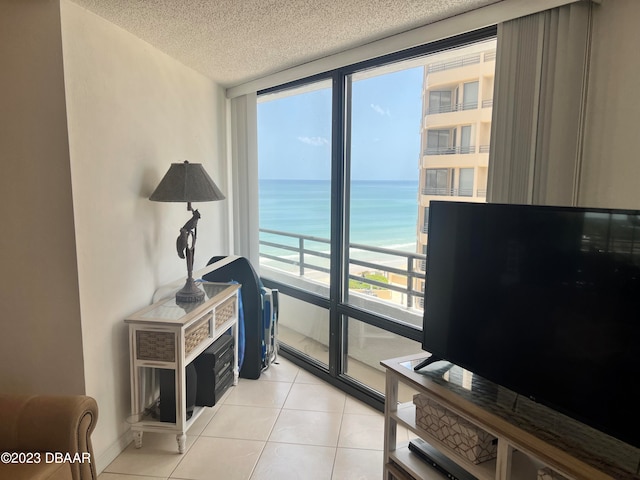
542 300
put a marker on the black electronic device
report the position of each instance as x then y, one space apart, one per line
542 300
168 393
214 367
439 461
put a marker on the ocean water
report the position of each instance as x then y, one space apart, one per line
383 213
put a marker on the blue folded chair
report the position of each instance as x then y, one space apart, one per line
258 345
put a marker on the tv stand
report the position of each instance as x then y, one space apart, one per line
426 361
530 438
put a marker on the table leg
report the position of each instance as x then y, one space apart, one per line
137 438
182 442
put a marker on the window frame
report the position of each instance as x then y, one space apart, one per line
339 310
466 105
441 107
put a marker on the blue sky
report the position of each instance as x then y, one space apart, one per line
294 133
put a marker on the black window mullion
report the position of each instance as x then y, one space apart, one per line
339 227
344 327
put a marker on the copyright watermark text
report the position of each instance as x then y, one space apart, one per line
44 457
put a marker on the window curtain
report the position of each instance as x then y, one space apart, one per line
244 171
540 92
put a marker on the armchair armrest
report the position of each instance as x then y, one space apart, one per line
50 423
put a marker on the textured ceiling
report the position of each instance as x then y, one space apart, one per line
234 41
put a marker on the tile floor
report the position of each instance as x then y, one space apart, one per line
287 425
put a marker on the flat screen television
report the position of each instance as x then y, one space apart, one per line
542 300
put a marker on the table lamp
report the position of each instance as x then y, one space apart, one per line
187 182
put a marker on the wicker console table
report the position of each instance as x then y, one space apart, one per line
167 335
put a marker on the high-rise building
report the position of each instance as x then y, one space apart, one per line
457 104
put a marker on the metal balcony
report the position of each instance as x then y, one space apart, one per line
453 192
296 253
450 150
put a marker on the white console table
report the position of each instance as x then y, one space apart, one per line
168 335
529 435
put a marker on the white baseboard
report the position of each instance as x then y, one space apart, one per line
116 448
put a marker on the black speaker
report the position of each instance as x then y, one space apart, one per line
168 392
215 371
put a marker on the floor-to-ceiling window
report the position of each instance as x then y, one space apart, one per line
440 141
470 96
439 101
345 178
295 208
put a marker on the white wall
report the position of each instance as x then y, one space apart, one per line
132 111
40 339
611 165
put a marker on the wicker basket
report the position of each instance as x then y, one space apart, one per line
156 346
225 311
465 438
196 334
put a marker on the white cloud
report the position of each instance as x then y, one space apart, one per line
378 109
314 141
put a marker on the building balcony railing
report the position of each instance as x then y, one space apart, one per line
454 63
452 192
465 60
302 259
490 56
450 150
458 107
484 148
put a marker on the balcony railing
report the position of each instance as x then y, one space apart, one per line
458 62
458 107
454 63
450 150
302 259
453 192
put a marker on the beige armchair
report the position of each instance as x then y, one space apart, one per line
53 432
